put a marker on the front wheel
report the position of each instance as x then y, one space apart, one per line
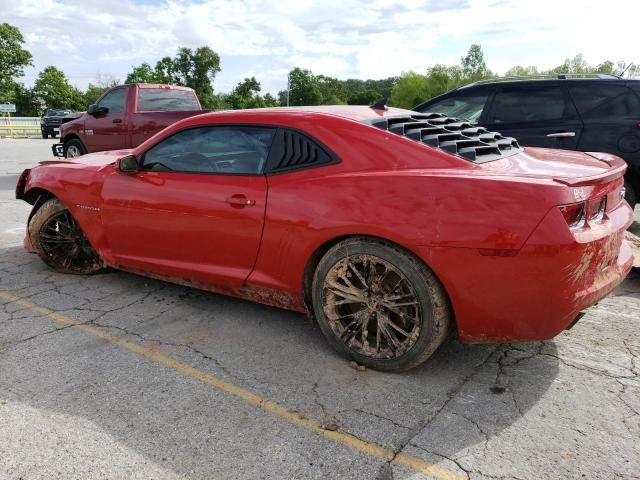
74 148
58 240
379 305
45 135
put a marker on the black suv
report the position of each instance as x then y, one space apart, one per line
590 113
51 121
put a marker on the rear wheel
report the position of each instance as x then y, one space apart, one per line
379 305
59 241
45 135
74 148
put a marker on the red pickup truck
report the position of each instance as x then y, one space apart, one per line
124 117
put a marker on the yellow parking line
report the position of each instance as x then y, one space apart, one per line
292 416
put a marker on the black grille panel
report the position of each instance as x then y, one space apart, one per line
293 150
453 135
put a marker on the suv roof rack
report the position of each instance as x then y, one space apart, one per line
547 76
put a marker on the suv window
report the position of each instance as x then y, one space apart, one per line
224 150
114 100
605 102
165 100
530 104
466 107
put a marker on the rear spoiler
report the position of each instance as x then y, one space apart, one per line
617 167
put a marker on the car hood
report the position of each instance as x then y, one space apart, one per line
98 159
565 166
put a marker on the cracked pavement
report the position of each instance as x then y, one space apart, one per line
74 406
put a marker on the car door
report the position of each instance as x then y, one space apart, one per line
195 209
539 115
108 131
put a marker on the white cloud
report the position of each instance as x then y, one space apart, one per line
343 38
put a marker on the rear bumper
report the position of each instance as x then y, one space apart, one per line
539 292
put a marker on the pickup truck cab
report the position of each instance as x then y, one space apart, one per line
124 117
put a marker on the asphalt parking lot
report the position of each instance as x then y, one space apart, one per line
117 376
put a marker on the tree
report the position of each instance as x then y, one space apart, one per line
519 71
332 90
246 94
576 64
55 90
143 74
441 78
411 89
13 59
304 88
473 66
92 94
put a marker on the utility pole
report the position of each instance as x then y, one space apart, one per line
288 86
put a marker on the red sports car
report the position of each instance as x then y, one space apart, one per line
391 227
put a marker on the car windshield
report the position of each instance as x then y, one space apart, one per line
467 107
57 113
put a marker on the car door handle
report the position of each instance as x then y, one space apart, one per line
240 201
562 135
116 120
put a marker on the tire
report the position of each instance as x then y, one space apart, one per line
367 282
54 135
45 135
630 194
74 148
58 240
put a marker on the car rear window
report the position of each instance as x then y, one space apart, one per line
165 100
530 104
605 102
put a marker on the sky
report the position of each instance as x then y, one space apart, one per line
363 39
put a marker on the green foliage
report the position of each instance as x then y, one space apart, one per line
411 89
247 95
92 94
55 90
473 66
519 71
143 74
13 59
304 88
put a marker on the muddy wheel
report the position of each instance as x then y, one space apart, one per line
59 241
74 148
379 305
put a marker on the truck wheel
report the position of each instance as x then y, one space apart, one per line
630 194
59 241
379 305
74 148
45 135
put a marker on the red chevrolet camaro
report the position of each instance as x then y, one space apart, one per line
391 227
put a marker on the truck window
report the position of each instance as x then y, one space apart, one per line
165 100
114 100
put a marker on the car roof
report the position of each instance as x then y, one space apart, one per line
359 113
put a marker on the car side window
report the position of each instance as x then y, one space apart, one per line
114 100
530 104
605 102
236 150
466 107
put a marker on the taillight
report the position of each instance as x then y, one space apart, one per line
579 215
575 214
596 209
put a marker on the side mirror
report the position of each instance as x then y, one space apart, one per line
97 110
128 164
